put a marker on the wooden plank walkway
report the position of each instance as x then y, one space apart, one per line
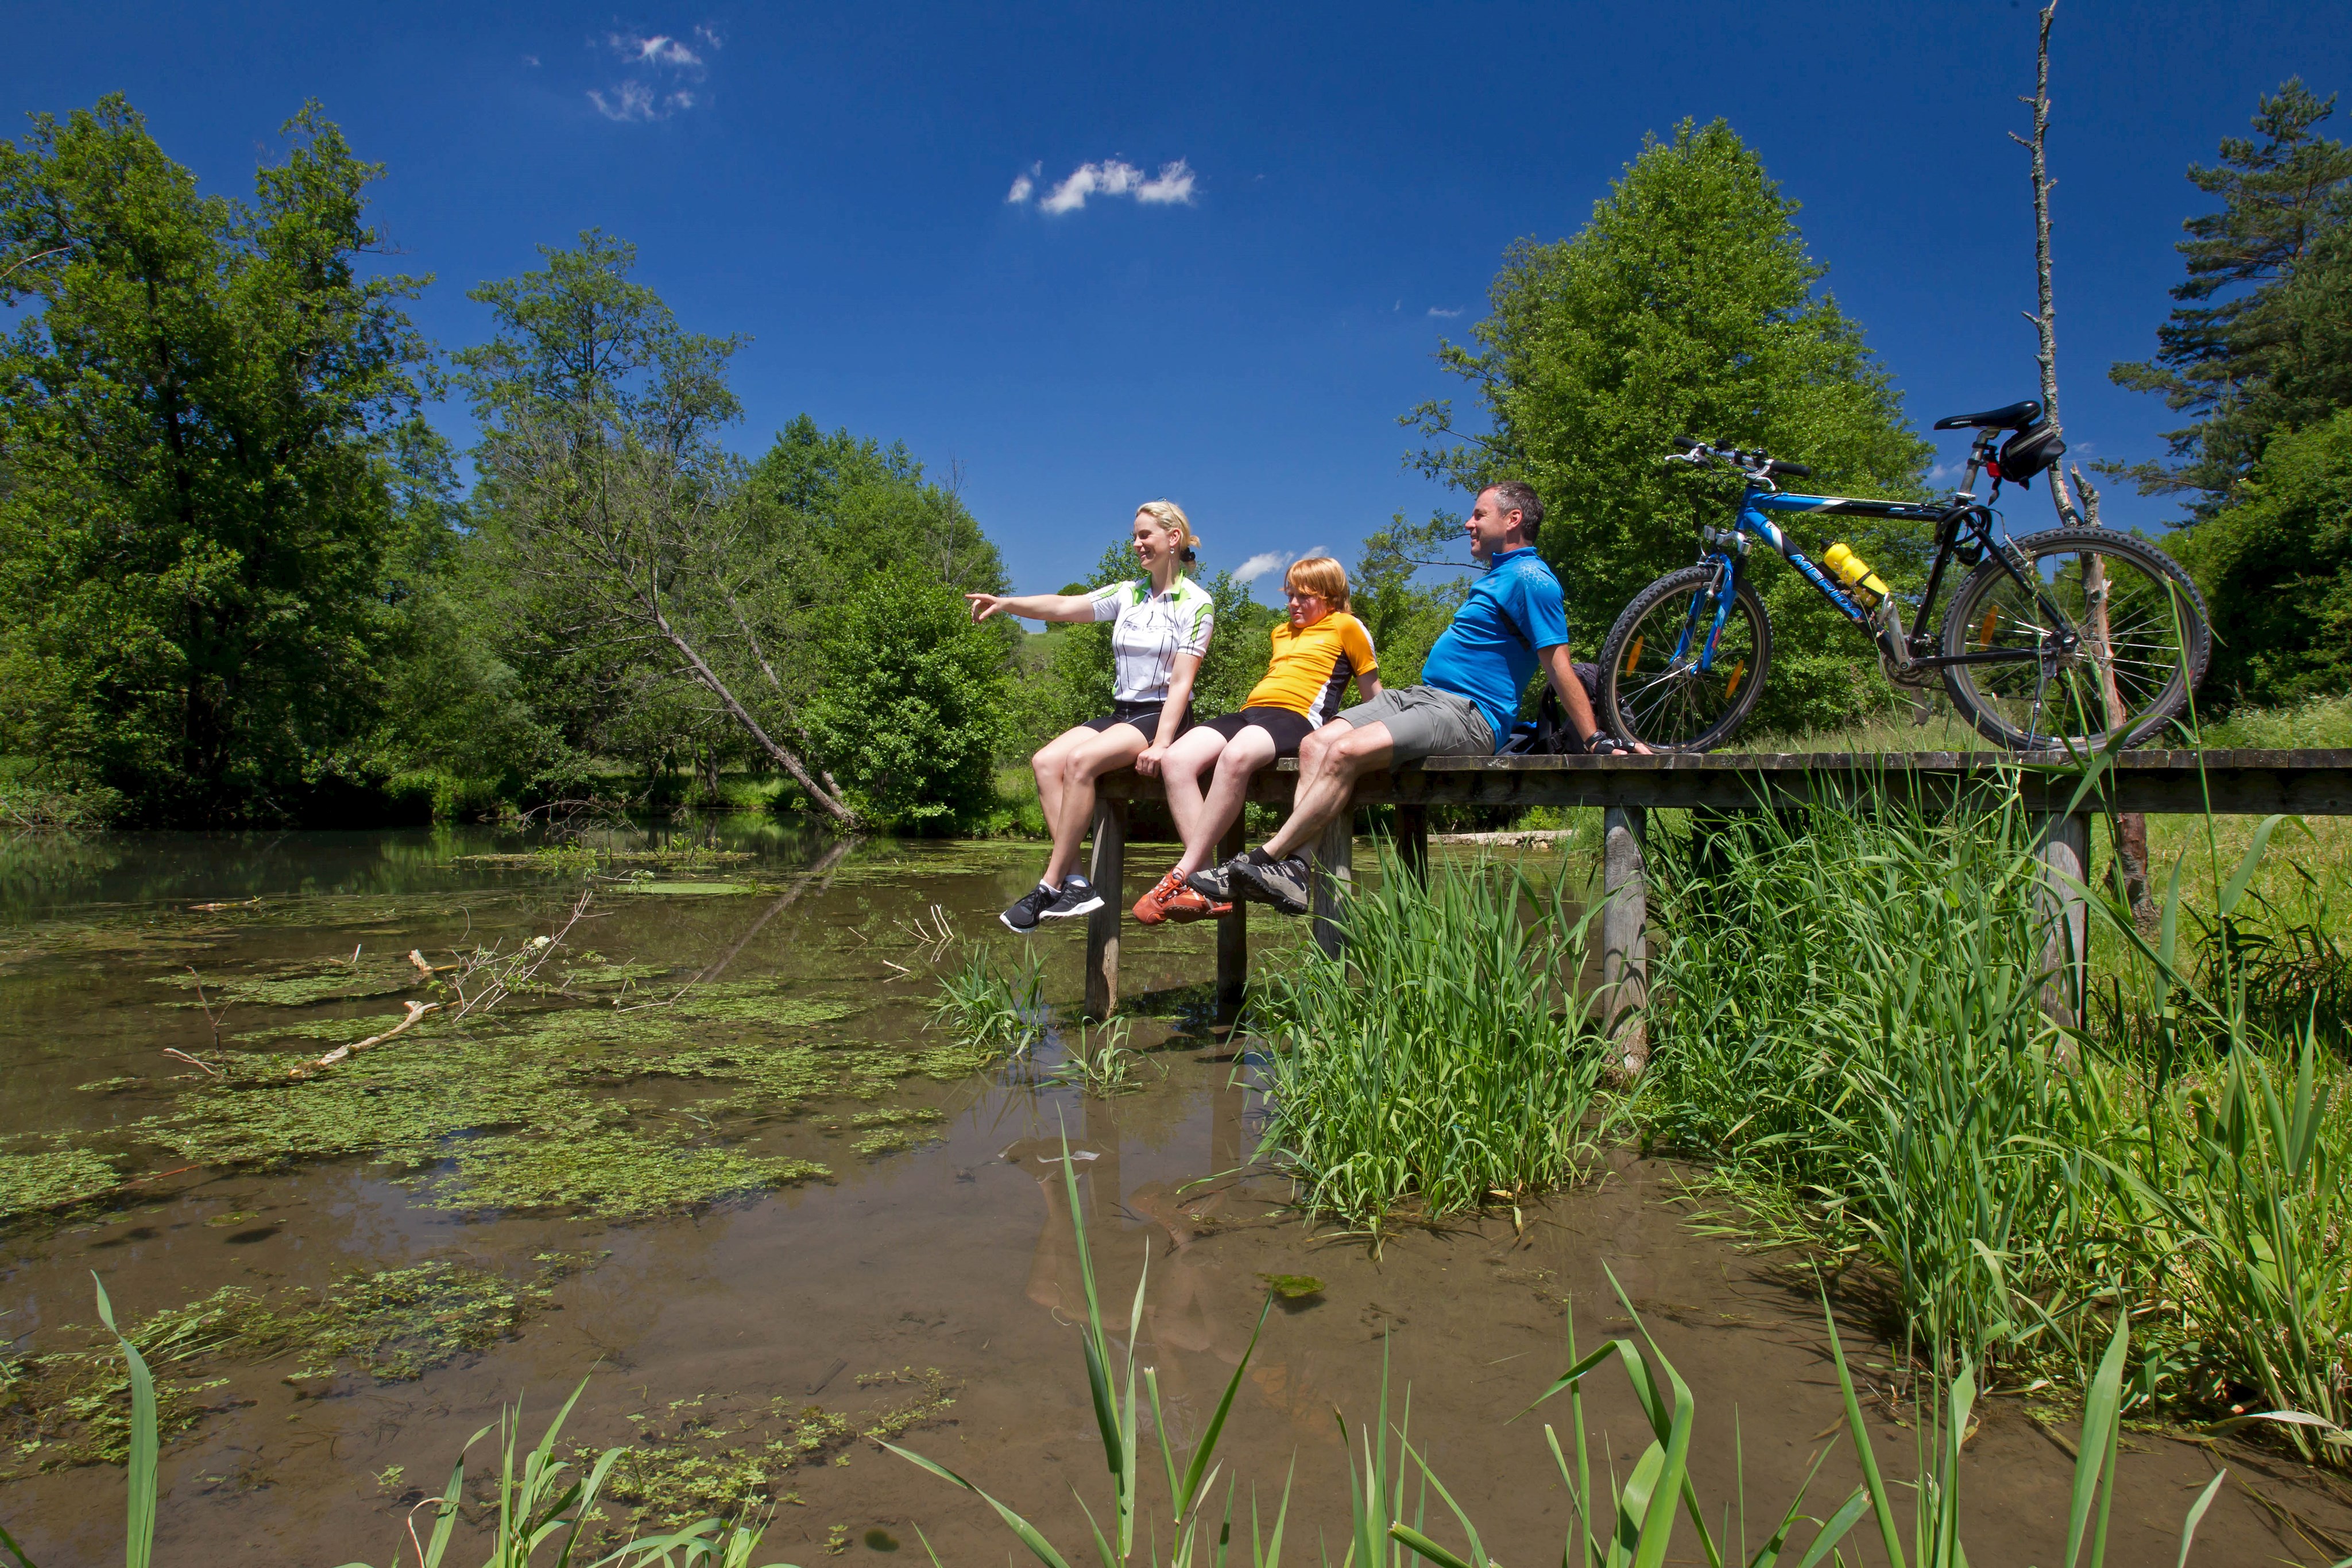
2227 783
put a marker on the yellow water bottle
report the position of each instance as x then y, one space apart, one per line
1854 571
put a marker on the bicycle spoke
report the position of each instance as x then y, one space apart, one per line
1664 697
2122 667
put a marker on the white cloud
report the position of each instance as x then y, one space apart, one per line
630 100
1943 471
1257 566
667 83
1024 184
1172 186
658 50
1442 314
530 59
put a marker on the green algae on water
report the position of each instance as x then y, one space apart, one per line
40 1182
888 1132
69 1407
699 1457
608 1174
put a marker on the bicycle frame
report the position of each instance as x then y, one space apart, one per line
1914 650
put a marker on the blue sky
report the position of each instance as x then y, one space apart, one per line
1284 209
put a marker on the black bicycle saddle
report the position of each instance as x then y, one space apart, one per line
2016 417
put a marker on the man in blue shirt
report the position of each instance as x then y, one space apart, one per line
1469 697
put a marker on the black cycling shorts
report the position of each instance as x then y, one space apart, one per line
1287 728
1143 717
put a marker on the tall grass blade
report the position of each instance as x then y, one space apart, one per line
139 1471
1039 1547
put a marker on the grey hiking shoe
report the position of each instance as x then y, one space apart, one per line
1077 897
1215 882
1022 915
1281 883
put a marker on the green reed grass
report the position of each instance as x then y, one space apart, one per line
1443 1061
989 1003
1849 1024
1099 1060
1629 1526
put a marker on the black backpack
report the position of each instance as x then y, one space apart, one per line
1548 734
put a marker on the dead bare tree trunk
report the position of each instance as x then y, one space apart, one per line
2131 827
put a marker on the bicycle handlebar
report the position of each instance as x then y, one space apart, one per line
1693 450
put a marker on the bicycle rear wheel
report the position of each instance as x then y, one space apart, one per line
1651 689
2156 642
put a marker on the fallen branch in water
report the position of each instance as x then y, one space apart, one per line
506 974
416 1012
174 1050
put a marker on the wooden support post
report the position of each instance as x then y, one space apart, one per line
1625 948
2062 845
1232 938
1334 860
1107 872
1413 839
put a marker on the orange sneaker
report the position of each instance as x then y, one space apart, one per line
1184 906
1170 900
1153 907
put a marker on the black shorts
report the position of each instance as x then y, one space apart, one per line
1287 728
1142 717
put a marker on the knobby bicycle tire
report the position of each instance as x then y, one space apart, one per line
2160 642
1632 700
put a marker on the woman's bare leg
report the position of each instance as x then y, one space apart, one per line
1186 761
1047 765
1228 791
1088 761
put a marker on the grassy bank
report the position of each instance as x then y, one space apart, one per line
1848 1037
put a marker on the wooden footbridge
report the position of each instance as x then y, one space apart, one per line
1627 788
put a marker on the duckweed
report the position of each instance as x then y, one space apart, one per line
69 1406
608 1172
298 985
694 1461
891 1131
38 1182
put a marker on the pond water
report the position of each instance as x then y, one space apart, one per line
767 1211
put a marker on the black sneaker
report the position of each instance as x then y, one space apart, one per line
1281 883
1215 882
1022 914
1077 897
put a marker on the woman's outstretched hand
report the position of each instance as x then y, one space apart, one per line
984 605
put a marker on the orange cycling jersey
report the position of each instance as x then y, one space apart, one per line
1313 664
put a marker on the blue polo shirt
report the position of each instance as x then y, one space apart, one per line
1490 651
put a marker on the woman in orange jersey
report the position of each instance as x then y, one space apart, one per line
1316 652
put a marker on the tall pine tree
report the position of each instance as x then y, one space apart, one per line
2256 344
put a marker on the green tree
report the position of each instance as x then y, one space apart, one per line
1406 618
1688 306
2258 343
2276 563
910 712
200 429
613 513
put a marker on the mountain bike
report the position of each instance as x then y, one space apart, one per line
2057 641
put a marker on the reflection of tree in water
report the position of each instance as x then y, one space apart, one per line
1200 1303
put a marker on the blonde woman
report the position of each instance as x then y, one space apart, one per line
1161 627
1317 651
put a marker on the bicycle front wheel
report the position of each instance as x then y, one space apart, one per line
1652 688
2142 642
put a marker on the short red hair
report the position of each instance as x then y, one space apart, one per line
1318 574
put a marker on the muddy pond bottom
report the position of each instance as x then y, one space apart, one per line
710 1160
